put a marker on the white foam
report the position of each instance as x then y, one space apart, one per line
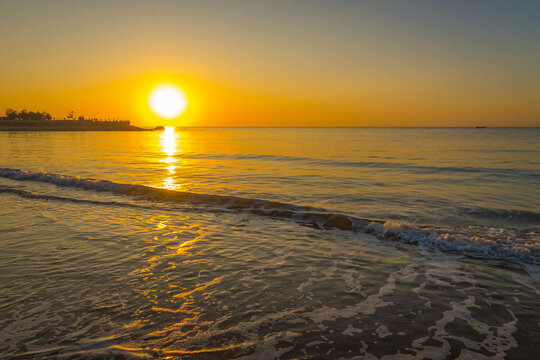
382 331
476 241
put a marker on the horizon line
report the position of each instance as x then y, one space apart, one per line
353 127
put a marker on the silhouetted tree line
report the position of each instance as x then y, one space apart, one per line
25 115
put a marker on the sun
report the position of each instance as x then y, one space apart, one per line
167 101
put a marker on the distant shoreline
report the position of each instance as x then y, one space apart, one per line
68 125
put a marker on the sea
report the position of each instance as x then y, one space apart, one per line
270 243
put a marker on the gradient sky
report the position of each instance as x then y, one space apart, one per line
277 63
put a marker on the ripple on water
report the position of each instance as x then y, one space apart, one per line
151 283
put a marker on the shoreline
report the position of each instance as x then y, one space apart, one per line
69 125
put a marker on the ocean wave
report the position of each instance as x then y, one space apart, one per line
503 214
379 165
475 241
33 195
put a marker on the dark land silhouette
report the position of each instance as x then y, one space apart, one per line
42 121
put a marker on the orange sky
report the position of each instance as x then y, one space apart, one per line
276 63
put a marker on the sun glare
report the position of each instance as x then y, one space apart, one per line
167 101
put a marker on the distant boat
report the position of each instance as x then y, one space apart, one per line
480 127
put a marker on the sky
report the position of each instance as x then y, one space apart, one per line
277 63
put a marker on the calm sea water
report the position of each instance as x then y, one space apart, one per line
267 243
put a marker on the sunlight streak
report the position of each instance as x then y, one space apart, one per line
169 140
169 145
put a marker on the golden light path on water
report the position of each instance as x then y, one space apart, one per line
169 145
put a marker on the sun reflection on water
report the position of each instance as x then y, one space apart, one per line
169 145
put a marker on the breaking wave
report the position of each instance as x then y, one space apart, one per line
475 241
